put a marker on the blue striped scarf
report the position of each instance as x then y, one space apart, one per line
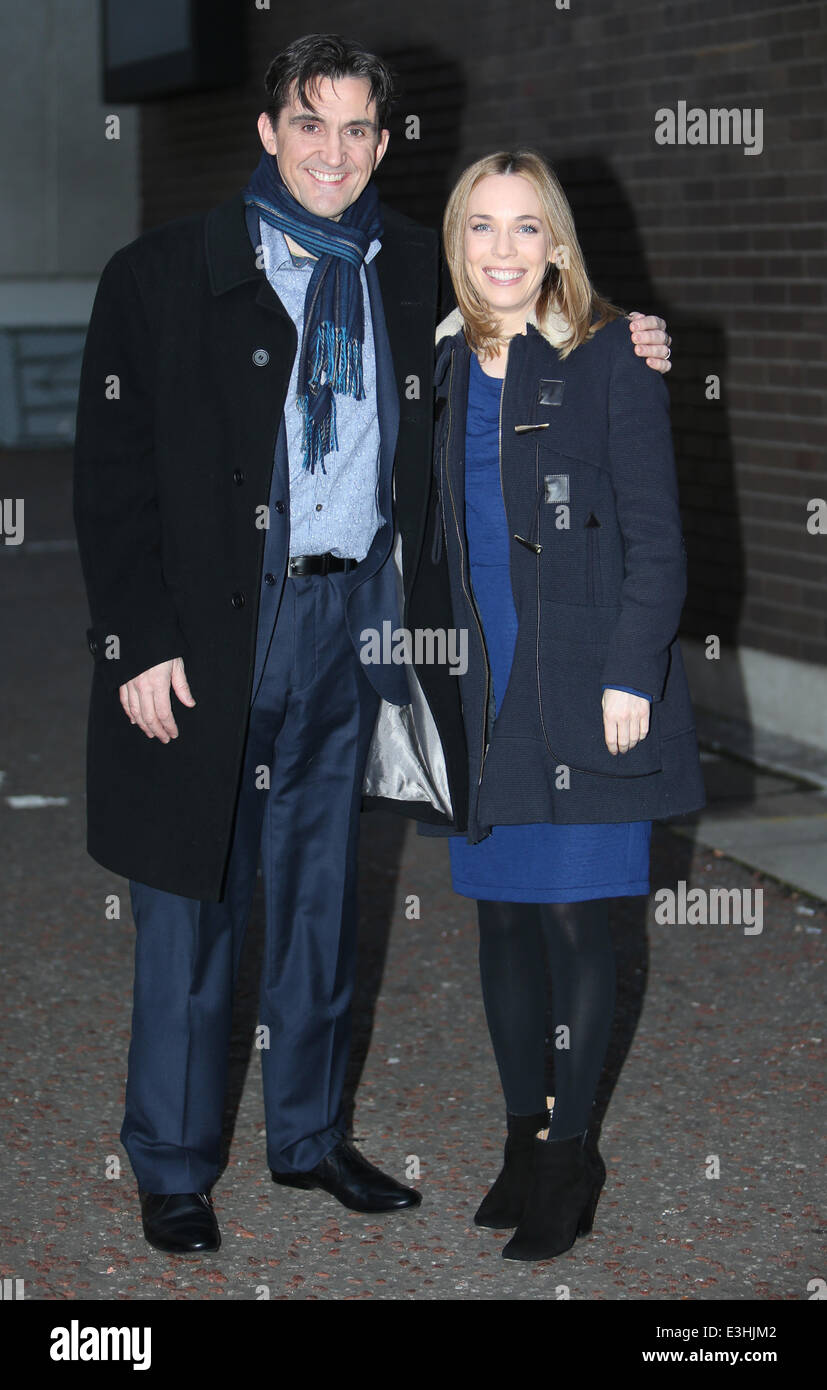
330 355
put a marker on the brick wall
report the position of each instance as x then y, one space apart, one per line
727 246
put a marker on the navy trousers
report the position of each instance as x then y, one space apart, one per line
310 726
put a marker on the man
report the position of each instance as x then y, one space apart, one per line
243 406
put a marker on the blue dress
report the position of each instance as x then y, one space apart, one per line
525 863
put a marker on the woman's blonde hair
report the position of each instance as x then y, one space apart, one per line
566 288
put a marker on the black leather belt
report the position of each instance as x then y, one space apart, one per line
318 564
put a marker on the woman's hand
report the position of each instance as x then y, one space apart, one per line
651 340
625 720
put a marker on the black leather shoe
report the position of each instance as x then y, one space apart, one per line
354 1182
180 1223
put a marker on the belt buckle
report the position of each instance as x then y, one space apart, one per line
323 564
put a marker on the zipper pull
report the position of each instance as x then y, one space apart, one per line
523 429
532 545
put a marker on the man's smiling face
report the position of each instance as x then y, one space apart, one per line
327 154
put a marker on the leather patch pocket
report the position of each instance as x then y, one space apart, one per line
556 487
551 392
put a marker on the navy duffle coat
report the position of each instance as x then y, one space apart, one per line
598 572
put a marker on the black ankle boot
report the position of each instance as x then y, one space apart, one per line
502 1207
565 1187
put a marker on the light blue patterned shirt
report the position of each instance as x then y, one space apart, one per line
337 510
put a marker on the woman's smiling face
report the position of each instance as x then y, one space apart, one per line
507 247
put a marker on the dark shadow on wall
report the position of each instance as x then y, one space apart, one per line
416 174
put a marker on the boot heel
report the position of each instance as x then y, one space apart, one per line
586 1221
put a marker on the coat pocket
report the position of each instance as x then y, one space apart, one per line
593 585
573 504
572 643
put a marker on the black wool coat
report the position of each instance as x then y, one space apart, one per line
598 573
186 367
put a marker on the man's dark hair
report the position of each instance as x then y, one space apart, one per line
315 56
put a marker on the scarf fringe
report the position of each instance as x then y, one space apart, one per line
335 366
319 436
340 359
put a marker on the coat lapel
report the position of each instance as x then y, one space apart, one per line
231 256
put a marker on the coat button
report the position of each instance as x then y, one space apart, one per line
269 579
261 357
279 506
237 600
238 477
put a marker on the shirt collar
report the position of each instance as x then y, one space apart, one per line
279 257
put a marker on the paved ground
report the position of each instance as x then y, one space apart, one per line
714 1067
772 817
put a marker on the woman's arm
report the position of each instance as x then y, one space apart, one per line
646 498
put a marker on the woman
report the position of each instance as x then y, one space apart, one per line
559 518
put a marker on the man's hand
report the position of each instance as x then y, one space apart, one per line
146 701
625 720
651 340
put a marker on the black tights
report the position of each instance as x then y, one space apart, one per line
516 942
